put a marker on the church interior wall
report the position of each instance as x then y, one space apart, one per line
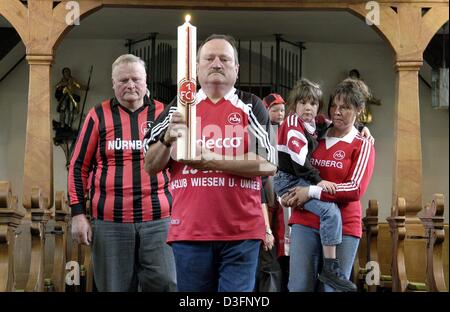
326 63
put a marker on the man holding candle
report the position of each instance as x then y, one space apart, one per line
217 223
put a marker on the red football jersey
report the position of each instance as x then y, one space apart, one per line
296 142
214 205
349 162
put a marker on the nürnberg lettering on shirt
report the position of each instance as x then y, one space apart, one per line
119 144
327 163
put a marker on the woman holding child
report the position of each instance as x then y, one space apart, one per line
323 175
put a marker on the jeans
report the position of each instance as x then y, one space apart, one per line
306 259
227 266
329 213
129 256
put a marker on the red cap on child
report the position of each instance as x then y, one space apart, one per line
273 99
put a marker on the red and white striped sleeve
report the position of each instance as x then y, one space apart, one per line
292 140
358 178
84 151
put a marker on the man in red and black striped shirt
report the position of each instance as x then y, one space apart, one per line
130 209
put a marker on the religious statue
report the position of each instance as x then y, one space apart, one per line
67 94
68 99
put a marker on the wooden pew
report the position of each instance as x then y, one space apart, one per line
82 255
398 229
39 216
385 256
60 232
87 275
398 232
10 218
86 272
433 221
370 222
372 226
359 270
367 268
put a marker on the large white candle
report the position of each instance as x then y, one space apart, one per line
186 91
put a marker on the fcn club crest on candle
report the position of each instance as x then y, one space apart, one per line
187 91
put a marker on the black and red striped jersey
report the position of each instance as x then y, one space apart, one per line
108 161
214 205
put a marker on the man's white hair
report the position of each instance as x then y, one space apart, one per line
126 59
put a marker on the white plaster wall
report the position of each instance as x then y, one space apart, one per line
13 118
328 64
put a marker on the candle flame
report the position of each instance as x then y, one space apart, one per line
187 18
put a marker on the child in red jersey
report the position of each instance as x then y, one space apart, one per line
297 138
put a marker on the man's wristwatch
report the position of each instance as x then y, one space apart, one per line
268 231
161 139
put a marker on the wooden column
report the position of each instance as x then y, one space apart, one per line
408 28
38 163
407 144
415 28
41 27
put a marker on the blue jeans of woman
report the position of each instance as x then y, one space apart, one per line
306 258
329 213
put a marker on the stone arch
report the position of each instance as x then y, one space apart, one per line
390 30
59 17
15 13
386 13
435 18
389 34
